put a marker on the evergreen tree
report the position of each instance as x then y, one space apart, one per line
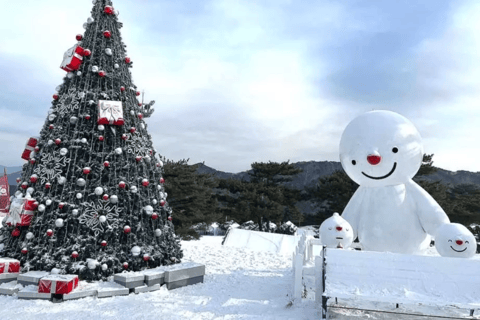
190 196
100 203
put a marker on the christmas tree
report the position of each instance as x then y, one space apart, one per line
91 200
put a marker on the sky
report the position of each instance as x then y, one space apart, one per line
237 82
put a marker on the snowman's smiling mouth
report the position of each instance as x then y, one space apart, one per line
458 250
382 177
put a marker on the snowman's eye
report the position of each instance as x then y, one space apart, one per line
347 229
354 162
449 240
330 228
395 150
467 242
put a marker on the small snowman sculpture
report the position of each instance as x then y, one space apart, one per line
336 232
455 240
389 212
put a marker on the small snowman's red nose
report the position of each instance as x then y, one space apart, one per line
374 159
459 242
339 228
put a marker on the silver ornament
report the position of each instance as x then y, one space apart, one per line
50 142
104 267
132 112
118 151
92 264
114 199
70 75
48 202
62 180
148 210
94 69
136 251
59 223
81 94
154 201
79 73
90 20
81 182
79 196
116 66
108 51
63 151
84 140
52 116
73 120
29 236
98 191
58 88
41 208
85 25
102 219
101 127
75 212
133 189
158 232
142 125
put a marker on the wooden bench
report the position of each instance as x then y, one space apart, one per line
397 278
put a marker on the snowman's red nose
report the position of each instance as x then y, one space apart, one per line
459 242
374 159
339 228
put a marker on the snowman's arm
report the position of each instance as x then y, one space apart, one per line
430 214
351 211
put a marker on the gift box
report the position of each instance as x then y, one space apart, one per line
147 288
154 276
110 112
58 284
9 265
72 59
130 279
31 277
21 211
29 147
184 274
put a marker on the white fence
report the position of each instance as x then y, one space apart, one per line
303 254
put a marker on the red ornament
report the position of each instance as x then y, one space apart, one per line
145 183
124 137
18 180
105 197
87 170
122 185
32 161
125 265
169 218
138 158
87 117
24 251
79 37
49 232
146 257
102 73
55 96
58 141
127 60
33 178
37 148
140 115
74 254
100 138
51 127
132 129
106 164
24 185
137 93
162 180
108 10
122 89
127 229
103 243
87 52
16 232
154 216
61 205
139 104
107 34
48 185
162 202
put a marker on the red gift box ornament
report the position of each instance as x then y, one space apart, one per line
110 112
72 59
8 265
29 147
58 284
22 211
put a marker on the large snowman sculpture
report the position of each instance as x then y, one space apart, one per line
382 151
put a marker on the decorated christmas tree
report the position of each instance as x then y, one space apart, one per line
91 200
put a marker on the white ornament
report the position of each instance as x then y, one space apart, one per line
148 210
52 117
336 232
91 102
158 232
48 202
154 201
132 112
73 120
50 142
70 75
147 158
160 163
94 69
59 223
81 95
81 182
116 66
108 51
92 264
118 151
63 151
159 187
84 140
79 73
133 189
62 180
136 251
29 236
75 212
142 125
58 88
114 199
455 240
55 271
41 208
85 25
166 194
116 12
101 127
98 191
30 190
79 196
102 219
104 267
382 151
90 20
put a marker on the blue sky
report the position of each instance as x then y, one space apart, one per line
242 81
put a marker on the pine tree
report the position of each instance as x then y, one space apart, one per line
100 197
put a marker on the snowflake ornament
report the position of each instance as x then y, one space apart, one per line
93 212
51 166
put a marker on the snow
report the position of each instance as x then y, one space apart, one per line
240 283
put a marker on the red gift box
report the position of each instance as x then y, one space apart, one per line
22 211
58 284
8 265
110 112
72 59
29 147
